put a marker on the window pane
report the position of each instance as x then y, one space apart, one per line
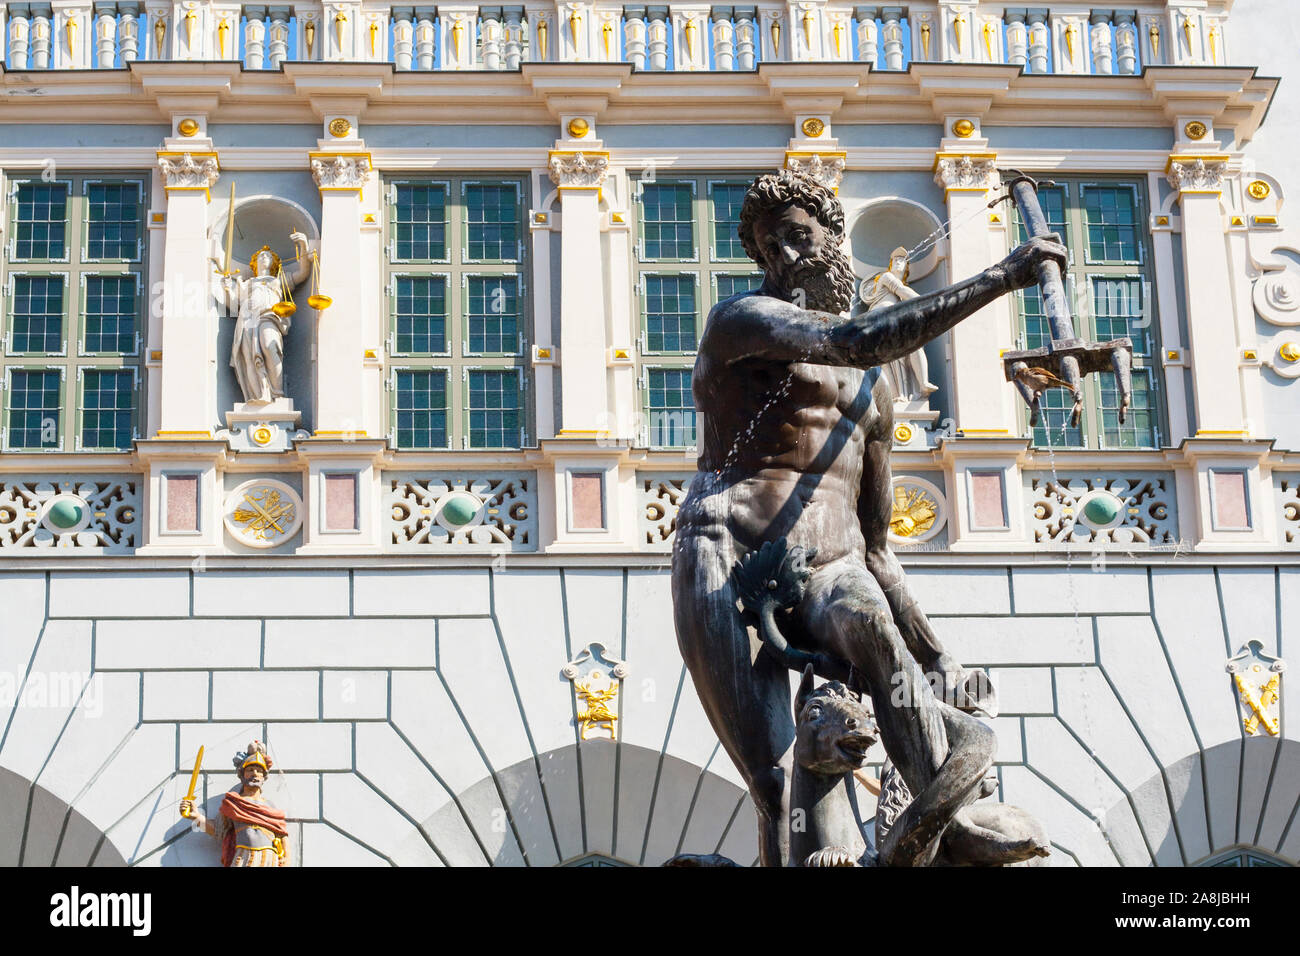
726 286
727 200
1118 309
667 223
671 407
107 406
110 314
670 313
37 314
492 314
1111 216
422 408
420 221
1038 331
112 221
421 316
492 214
494 419
41 224
1139 431
35 407
1052 201
1053 428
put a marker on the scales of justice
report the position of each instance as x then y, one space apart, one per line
263 307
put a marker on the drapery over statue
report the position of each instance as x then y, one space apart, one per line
785 528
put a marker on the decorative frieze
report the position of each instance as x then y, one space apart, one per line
189 170
825 168
488 511
659 495
578 169
1197 173
340 170
1134 510
971 171
84 514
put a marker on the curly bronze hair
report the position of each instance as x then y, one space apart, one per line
777 190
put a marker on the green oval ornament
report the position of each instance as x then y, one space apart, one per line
1101 509
64 514
459 510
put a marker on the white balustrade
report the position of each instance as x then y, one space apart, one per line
1101 43
108 34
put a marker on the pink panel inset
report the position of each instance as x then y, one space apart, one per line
340 502
1230 509
987 502
588 500
182 500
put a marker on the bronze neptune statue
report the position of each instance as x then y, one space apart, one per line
794 453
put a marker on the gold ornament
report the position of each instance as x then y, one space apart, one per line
575 23
262 435
1290 351
1268 695
1154 35
808 19
1196 130
317 300
340 127
1214 53
374 33
963 128
309 34
340 19
914 512
839 37
959 31
264 514
1187 32
903 433
70 30
607 31
541 39
776 36
598 693
1259 189
813 127
223 30
1071 32
457 29
988 40
159 35
190 17
925 38
187 127
690 30
578 127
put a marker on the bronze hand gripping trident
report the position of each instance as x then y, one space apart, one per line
1067 358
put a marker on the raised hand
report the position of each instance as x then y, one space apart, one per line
1021 267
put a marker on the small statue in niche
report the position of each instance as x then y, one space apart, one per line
263 305
251 830
909 376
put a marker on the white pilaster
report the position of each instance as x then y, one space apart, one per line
1216 378
579 174
340 330
982 399
188 400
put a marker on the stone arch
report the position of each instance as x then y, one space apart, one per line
597 799
1236 796
38 828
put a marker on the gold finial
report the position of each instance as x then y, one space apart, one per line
1187 32
959 30
340 19
190 17
575 22
607 30
374 34
542 30
309 34
776 37
159 35
925 38
1154 35
963 128
187 127
578 127
223 29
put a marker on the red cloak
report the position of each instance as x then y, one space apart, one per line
239 809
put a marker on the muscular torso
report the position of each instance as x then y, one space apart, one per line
782 449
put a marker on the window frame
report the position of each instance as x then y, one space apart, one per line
75 270
1079 281
705 267
457 270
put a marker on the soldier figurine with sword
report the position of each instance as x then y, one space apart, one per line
251 830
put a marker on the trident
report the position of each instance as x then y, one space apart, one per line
1067 357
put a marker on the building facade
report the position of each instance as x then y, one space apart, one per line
430 569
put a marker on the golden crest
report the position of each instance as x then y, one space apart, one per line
1257 678
914 512
1196 130
340 127
596 676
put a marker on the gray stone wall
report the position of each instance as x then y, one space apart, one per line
420 716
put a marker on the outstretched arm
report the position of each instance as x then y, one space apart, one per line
769 328
302 267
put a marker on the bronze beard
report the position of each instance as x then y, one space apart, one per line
827 281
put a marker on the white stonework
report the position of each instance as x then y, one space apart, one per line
966 172
1197 174
340 171
578 168
186 172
